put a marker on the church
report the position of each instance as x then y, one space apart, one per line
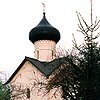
25 81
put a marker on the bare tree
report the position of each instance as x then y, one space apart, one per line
80 75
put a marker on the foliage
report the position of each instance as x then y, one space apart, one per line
79 78
4 92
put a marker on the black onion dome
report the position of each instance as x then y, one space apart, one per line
44 31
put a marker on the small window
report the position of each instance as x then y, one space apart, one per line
28 93
52 54
37 54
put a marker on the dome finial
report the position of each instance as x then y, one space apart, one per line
43 9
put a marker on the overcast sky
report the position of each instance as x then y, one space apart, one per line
18 17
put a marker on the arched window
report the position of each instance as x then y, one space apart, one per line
28 93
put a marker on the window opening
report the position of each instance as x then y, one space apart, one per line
28 93
37 54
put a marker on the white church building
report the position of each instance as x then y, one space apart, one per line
25 81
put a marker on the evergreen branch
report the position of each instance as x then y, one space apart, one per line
97 28
95 21
84 21
74 41
82 28
97 36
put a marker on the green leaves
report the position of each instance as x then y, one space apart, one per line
4 92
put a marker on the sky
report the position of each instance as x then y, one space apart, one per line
18 17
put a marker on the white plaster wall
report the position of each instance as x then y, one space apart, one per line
46 50
28 76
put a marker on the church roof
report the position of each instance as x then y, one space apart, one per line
44 31
45 68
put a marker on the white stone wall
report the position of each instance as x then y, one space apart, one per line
45 50
28 77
